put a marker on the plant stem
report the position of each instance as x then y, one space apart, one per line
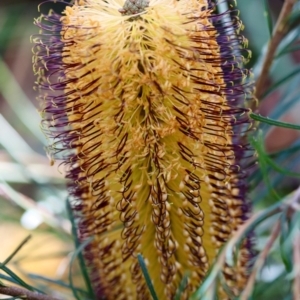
260 262
278 34
23 293
296 286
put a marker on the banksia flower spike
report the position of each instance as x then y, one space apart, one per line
145 103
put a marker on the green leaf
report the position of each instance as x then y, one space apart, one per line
281 170
285 251
280 82
76 253
295 223
262 161
9 25
286 152
288 50
294 18
289 99
209 282
226 288
290 39
268 17
274 122
8 259
215 270
7 278
56 282
263 290
147 276
82 264
181 287
19 102
12 298
18 279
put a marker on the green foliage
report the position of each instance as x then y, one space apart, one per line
268 16
12 276
274 122
78 255
147 276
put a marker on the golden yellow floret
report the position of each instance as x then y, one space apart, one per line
151 125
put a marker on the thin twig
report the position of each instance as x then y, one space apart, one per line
278 34
260 262
296 285
23 293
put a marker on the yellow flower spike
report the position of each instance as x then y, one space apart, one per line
145 103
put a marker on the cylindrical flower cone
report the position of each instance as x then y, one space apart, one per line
145 103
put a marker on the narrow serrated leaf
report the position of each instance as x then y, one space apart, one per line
147 277
274 122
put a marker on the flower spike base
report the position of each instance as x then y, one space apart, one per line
147 112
